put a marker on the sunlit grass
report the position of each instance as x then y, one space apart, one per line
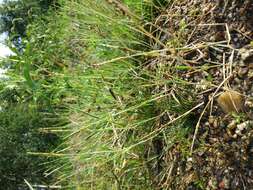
117 113
93 67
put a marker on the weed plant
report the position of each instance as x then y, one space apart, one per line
94 65
117 118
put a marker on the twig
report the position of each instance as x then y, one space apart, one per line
202 114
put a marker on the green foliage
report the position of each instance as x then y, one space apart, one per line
16 15
19 135
90 70
28 107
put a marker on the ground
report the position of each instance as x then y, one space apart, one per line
217 63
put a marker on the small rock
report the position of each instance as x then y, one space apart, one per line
250 74
249 103
189 159
237 80
244 125
241 127
243 72
246 54
211 119
232 125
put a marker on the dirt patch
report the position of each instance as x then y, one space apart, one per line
217 60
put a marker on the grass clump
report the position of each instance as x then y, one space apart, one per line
120 125
101 68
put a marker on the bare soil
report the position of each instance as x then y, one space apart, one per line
219 60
